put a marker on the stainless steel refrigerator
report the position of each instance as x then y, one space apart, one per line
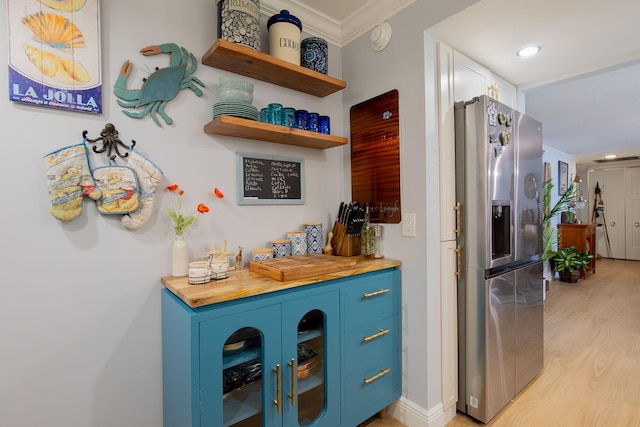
500 287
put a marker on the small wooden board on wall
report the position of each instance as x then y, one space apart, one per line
375 157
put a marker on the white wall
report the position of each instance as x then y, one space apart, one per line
80 333
406 64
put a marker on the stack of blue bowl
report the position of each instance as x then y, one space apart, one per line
236 97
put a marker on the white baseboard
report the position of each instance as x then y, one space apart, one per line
413 415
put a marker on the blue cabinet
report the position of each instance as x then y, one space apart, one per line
322 354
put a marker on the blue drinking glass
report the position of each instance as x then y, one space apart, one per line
275 114
312 124
289 117
324 125
302 116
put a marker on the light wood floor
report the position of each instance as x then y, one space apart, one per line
591 375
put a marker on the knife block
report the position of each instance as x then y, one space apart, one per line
342 244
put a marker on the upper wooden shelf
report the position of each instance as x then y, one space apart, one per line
251 129
251 63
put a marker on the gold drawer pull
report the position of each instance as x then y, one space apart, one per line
292 395
373 294
376 335
377 376
458 209
278 401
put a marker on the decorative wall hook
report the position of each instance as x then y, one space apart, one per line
110 139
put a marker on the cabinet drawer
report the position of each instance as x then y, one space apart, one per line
373 343
371 300
369 388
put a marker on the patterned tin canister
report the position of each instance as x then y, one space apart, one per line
298 242
314 54
284 37
281 247
239 22
260 254
314 237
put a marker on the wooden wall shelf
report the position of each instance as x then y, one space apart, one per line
249 62
251 129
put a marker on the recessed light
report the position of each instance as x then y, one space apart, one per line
610 156
528 51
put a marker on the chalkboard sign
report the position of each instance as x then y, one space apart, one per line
264 179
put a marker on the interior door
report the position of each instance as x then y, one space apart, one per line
633 214
610 232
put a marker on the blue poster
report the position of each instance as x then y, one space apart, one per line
54 54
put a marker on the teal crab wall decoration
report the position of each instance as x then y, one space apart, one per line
161 86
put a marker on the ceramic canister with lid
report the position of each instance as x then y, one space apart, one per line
314 54
284 36
239 22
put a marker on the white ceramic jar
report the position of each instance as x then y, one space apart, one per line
284 37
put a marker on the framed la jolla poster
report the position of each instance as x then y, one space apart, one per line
54 54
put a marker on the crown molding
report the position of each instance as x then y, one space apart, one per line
336 32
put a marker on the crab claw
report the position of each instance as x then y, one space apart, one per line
125 70
150 50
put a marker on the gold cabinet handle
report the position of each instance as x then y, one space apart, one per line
458 209
292 395
382 373
373 294
278 400
376 335
458 251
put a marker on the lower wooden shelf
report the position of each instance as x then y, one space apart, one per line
251 129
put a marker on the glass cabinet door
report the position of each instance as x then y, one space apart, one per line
310 355
246 392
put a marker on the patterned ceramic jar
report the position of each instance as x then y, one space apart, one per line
239 22
281 247
260 254
314 54
298 242
314 237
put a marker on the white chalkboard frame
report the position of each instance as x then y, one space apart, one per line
242 200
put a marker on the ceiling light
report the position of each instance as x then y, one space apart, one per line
610 156
528 51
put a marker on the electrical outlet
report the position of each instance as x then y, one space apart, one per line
409 224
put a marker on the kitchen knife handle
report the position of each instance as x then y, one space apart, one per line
458 209
458 251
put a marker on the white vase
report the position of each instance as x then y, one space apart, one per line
179 257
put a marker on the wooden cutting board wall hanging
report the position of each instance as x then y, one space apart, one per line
375 157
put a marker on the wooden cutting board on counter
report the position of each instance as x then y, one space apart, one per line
301 266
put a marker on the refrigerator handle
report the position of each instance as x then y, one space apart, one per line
458 209
458 251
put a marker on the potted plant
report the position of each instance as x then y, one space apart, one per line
550 233
569 262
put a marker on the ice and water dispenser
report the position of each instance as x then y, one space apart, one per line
500 229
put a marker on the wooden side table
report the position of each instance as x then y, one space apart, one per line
582 236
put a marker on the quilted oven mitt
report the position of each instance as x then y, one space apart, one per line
119 188
149 176
69 179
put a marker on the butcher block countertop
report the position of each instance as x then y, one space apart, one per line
245 283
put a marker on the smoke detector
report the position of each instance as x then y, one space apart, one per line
380 36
